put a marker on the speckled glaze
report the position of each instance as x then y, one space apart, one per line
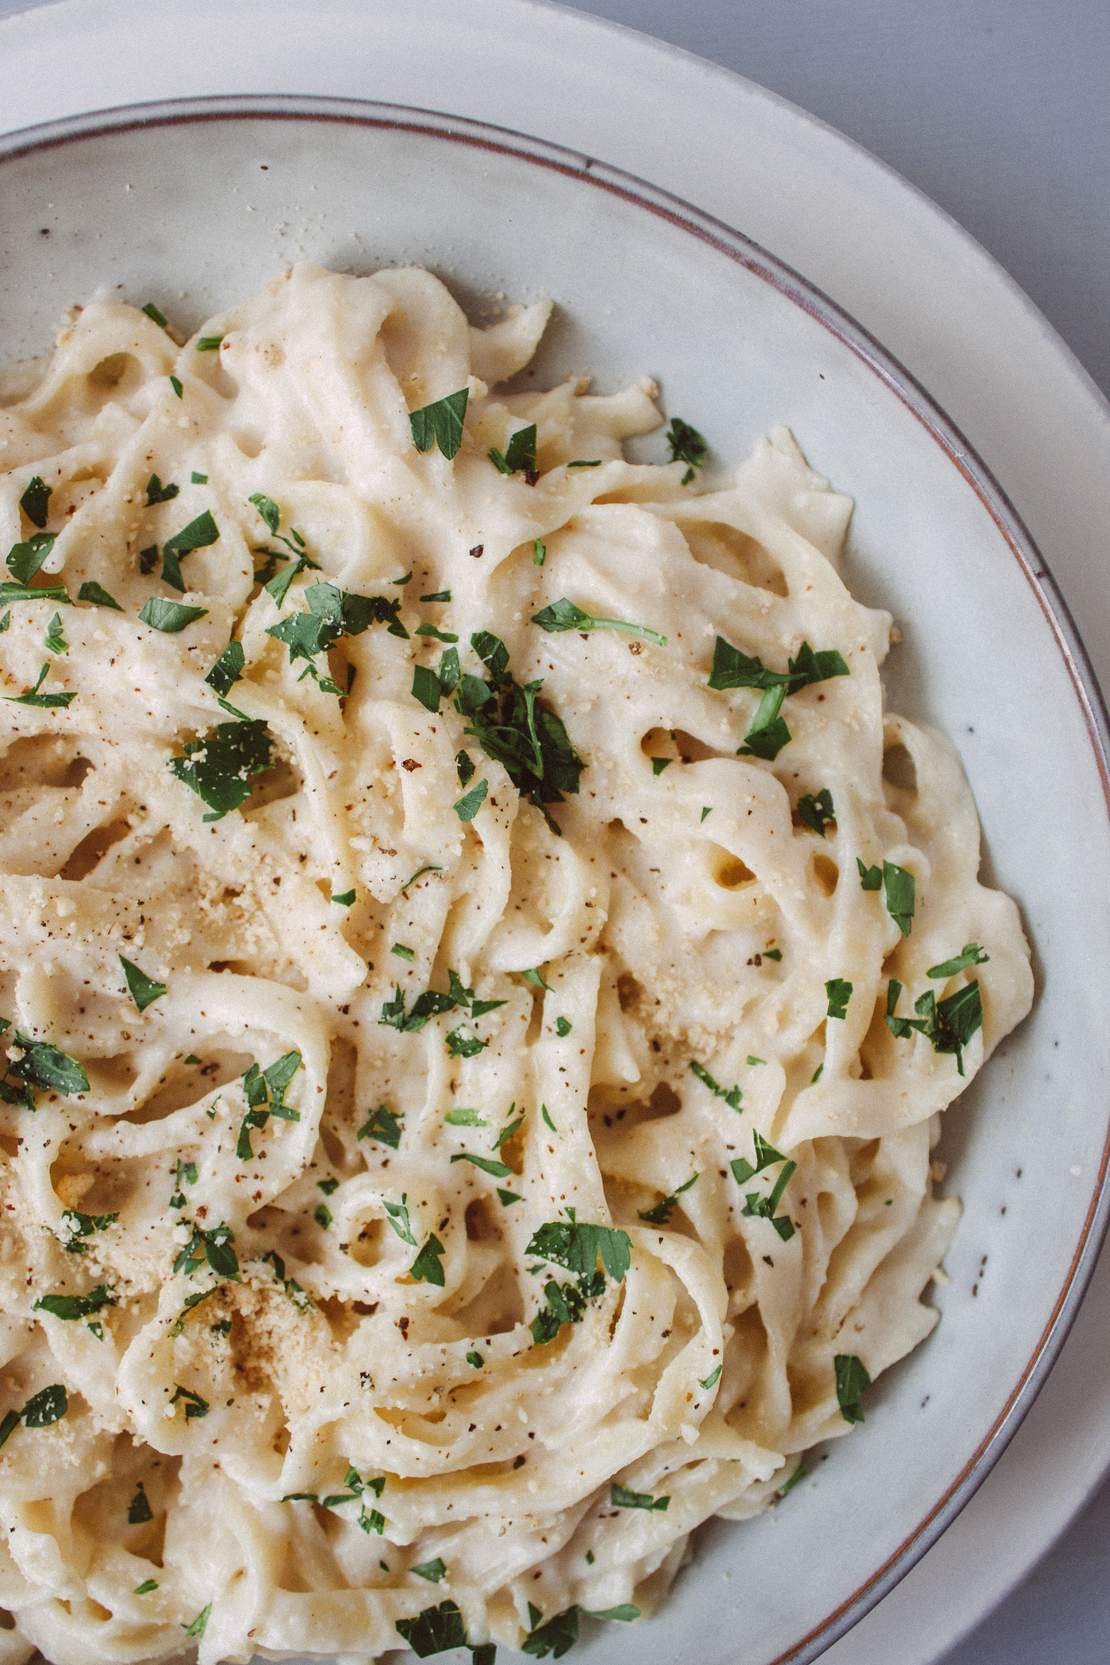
194 204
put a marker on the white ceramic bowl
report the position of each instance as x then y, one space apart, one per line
194 204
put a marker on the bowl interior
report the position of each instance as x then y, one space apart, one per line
192 213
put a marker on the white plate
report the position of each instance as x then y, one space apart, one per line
491 60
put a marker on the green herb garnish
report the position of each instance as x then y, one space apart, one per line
851 1380
47 702
46 1406
264 1090
970 954
139 1510
662 1211
440 423
218 767
520 453
621 1498
35 501
687 446
198 534
169 616
95 593
382 1124
760 1207
731 1095
427 1267
816 810
76 1306
565 615
839 992
156 492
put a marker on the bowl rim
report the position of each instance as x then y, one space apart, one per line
898 380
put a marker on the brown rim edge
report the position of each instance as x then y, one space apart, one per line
899 381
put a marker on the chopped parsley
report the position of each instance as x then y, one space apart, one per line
76 1306
870 878
851 1380
755 1205
209 343
471 802
732 668
624 1614
687 446
200 1623
970 954
382 1124
218 767
331 615
139 1510
546 1114
815 810
54 641
431 1003
519 454
264 1090
156 492
427 1267
47 702
198 534
563 1026
344 898
228 668
565 615
948 1024
198 479
156 314
435 633
437 595
579 1247
31 592
712 1379
91 591
24 559
403 951
536 978
731 1095
435 1630
585 462
539 552
658 764
169 616
433 1571
555 1637
898 888
46 1406
213 1247
839 992
322 1214
195 1406
475 1359
621 1498
176 385
77 1226
398 1216
662 1211
35 501
440 423
144 1589
42 1065
488 1164
461 1045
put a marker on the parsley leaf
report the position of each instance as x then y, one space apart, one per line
76 1225
198 534
662 1211
563 1026
156 314
46 1406
214 1247
948 1024
47 1066
195 1406
816 810
970 954
228 668
435 1630
516 728
399 1219
579 1246
839 992
539 552
621 1498
687 446
427 1267
898 886
851 1380
870 878
76 1306
471 802
520 453
488 1164
139 1510
200 1623
565 615
433 1571
25 559
48 702
169 616
768 732
382 1124
440 423
264 1091
55 641
731 1095
156 492
91 591
35 501
556 1637
760 1207
209 343
218 766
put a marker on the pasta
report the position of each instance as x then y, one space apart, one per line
481 972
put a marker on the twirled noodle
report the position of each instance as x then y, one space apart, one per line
217 1265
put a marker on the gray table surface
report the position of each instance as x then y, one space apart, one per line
1000 111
